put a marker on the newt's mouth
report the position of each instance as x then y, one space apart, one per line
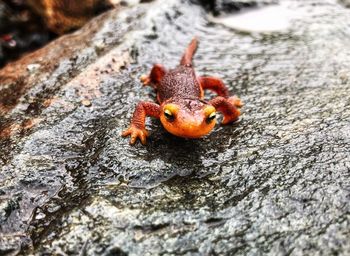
186 124
189 130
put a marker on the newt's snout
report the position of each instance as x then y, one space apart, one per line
183 121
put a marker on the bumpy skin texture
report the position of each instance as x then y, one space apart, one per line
181 109
179 83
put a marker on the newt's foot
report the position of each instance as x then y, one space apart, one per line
135 134
145 80
236 101
231 118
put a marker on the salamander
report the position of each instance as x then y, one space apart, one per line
181 108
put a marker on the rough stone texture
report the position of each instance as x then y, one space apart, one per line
276 183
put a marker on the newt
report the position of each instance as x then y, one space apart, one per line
181 108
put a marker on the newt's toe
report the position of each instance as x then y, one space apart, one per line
136 133
236 101
231 118
145 79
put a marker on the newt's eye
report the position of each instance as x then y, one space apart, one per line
168 115
211 117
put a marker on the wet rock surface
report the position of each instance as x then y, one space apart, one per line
277 182
217 7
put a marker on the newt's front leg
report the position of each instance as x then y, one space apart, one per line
137 127
216 85
227 108
156 74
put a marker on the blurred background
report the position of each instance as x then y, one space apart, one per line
28 25
276 182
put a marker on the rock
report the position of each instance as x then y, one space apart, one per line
346 3
221 7
267 19
275 183
7 206
86 103
33 68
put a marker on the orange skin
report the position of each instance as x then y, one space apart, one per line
181 109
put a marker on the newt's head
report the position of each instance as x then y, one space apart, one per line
188 118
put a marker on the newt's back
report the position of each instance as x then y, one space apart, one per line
180 82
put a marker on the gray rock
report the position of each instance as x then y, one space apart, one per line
346 3
275 183
32 68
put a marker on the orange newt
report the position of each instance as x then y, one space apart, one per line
181 108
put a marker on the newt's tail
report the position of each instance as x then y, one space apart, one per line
188 55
